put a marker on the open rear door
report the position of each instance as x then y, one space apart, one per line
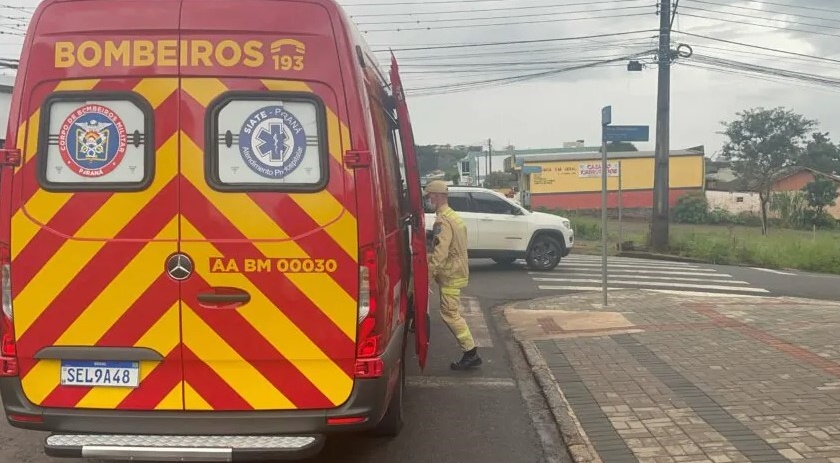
418 228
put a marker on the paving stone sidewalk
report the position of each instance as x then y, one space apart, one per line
656 377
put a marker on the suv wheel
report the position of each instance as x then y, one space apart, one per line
545 253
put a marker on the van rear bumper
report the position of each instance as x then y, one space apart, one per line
369 399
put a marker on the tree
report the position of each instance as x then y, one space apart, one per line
821 154
762 144
820 194
499 180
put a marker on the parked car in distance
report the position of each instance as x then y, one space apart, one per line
500 229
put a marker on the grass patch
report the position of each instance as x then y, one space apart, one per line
728 245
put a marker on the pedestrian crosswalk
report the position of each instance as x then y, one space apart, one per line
584 273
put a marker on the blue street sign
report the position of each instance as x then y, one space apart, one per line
606 115
531 169
626 133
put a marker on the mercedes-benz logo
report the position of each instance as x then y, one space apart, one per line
179 267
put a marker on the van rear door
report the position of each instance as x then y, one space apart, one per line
267 210
96 215
420 268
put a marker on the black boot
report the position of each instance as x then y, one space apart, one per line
470 359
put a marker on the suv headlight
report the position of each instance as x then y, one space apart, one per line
566 223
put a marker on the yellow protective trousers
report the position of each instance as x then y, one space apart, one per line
450 311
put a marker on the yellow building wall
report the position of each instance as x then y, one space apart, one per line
585 176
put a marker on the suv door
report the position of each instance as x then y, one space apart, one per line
499 226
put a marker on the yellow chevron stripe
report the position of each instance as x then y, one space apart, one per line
334 124
255 224
44 205
193 399
174 400
263 314
74 255
45 375
156 90
122 291
31 137
333 217
162 337
228 364
203 90
323 207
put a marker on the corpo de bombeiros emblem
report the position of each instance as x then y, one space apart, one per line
92 140
272 142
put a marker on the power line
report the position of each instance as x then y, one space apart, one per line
530 15
515 23
767 19
526 52
761 25
732 42
757 76
793 59
812 8
485 10
440 89
516 42
769 71
748 8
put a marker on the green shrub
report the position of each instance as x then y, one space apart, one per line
692 208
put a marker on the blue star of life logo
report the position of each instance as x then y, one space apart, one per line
272 142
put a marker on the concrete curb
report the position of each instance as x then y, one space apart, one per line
578 444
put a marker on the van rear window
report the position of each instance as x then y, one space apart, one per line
267 141
95 141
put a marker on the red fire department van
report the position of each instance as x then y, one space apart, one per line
211 231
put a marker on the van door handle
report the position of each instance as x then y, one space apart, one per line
221 296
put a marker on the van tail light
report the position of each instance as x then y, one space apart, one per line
8 346
369 343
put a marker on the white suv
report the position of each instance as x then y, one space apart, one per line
500 229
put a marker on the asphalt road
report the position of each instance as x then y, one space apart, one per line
492 414
496 413
498 284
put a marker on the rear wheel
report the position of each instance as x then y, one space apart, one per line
393 421
545 253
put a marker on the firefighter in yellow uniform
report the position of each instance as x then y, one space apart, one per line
449 266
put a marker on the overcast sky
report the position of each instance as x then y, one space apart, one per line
545 112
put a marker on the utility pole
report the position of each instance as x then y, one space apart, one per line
659 225
489 158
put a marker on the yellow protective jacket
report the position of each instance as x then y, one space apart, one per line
448 260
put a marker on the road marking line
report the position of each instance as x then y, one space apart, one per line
644 277
665 285
701 293
634 266
475 319
778 272
632 261
647 271
446 381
